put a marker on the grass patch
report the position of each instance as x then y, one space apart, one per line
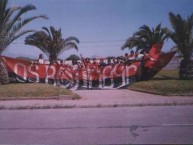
33 91
166 82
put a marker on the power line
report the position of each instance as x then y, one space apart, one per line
92 46
83 42
103 41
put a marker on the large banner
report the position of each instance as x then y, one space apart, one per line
89 75
74 76
157 60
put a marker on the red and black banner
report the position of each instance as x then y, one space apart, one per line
71 76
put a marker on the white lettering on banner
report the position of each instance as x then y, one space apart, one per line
127 72
107 68
24 76
84 77
109 72
34 73
69 73
121 74
88 73
109 75
134 67
116 69
65 73
51 75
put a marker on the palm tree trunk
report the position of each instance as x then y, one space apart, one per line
186 69
4 79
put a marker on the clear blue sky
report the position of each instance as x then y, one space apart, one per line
102 26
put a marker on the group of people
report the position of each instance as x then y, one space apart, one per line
92 67
127 59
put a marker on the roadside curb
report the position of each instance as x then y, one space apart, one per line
61 97
57 106
160 94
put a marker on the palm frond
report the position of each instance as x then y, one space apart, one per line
47 30
20 24
50 41
21 11
67 46
8 13
182 33
72 39
3 5
145 37
11 22
52 30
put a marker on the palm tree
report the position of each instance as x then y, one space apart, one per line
182 35
50 41
11 24
146 37
4 79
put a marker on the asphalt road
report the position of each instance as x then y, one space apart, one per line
92 126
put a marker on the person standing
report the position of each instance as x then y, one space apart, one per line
41 59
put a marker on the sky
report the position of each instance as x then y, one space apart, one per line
102 26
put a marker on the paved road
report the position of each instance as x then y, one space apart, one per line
124 125
102 98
